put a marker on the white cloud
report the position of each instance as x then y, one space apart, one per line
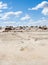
40 22
3 6
6 15
8 23
26 17
18 13
45 11
43 5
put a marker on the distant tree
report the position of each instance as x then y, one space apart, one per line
0 27
8 28
40 27
43 27
21 27
31 26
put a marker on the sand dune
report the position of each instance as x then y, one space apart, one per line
24 48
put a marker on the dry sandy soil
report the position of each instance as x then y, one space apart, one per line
24 48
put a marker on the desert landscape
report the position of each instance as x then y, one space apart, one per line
23 32
24 45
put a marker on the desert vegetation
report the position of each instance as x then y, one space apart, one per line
23 28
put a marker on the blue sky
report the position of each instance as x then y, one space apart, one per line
23 12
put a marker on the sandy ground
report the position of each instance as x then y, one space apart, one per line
24 48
